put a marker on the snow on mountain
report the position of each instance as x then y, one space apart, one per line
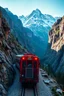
37 19
39 24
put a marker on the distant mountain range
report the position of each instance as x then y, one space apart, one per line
38 23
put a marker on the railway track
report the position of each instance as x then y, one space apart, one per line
29 91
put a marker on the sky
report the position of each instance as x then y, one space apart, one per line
25 7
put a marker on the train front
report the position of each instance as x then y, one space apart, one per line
29 69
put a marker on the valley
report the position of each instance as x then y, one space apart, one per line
39 34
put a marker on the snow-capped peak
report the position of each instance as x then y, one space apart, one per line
37 11
38 22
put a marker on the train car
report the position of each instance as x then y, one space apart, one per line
29 68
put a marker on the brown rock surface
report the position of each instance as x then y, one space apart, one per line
54 57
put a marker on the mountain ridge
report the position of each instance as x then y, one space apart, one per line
39 13
9 48
39 23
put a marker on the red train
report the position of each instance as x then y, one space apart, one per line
29 68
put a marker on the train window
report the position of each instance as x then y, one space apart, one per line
29 63
23 64
35 64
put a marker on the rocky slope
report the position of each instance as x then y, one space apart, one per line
9 47
54 57
56 35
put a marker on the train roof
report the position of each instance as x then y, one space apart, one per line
26 54
19 55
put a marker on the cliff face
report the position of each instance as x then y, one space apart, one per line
54 57
9 47
56 35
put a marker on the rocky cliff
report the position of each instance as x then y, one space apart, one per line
54 57
56 34
9 47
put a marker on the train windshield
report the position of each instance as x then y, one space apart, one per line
29 63
23 64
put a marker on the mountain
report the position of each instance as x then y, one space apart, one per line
33 43
9 48
38 23
54 57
